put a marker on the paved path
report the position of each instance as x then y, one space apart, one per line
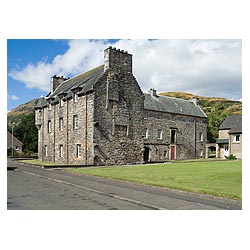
36 188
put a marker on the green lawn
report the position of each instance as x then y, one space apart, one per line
220 178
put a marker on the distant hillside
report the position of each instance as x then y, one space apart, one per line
210 104
16 114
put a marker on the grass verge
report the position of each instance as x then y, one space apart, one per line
220 178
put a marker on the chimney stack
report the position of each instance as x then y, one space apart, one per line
196 100
152 92
55 81
117 59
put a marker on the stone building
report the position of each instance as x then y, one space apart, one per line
14 143
230 137
102 117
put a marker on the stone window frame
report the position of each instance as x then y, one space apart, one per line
159 134
60 123
146 133
201 137
75 122
75 97
201 153
78 150
61 151
173 136
61 102
49 126
45 150
49 106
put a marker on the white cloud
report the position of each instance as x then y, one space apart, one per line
13 97
202 67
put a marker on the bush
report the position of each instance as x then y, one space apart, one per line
231 157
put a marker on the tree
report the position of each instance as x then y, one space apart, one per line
27 133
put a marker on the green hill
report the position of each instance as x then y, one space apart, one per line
16 114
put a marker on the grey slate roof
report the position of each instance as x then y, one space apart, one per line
85 81
232 123
222 141
172 105
41 103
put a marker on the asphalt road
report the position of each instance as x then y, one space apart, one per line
31 188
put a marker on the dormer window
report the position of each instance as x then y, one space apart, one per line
75 97
61 102
49 106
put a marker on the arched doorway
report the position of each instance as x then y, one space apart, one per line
146 154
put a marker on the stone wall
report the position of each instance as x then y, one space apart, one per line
118 116
186 142
68 136
236 147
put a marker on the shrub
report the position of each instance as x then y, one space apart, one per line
231 157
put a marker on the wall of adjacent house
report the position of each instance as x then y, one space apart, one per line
236 147
187 131
223 134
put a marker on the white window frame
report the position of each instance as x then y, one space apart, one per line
61 102
78 150
235 138
159 134
201 136
61 153
75 97
146 133
75 121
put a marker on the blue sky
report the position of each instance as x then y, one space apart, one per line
202 67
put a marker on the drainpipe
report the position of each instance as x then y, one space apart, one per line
54 149
194 137
86 129
67 130
42 137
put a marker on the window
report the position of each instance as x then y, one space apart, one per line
200 136
236 138
46 150
146 115
158 116
146 133
121 130
49 126
78 150
61 123
61 102
226 148
201 152
49 106
75 97
159 133
173 135
61 151
75 122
